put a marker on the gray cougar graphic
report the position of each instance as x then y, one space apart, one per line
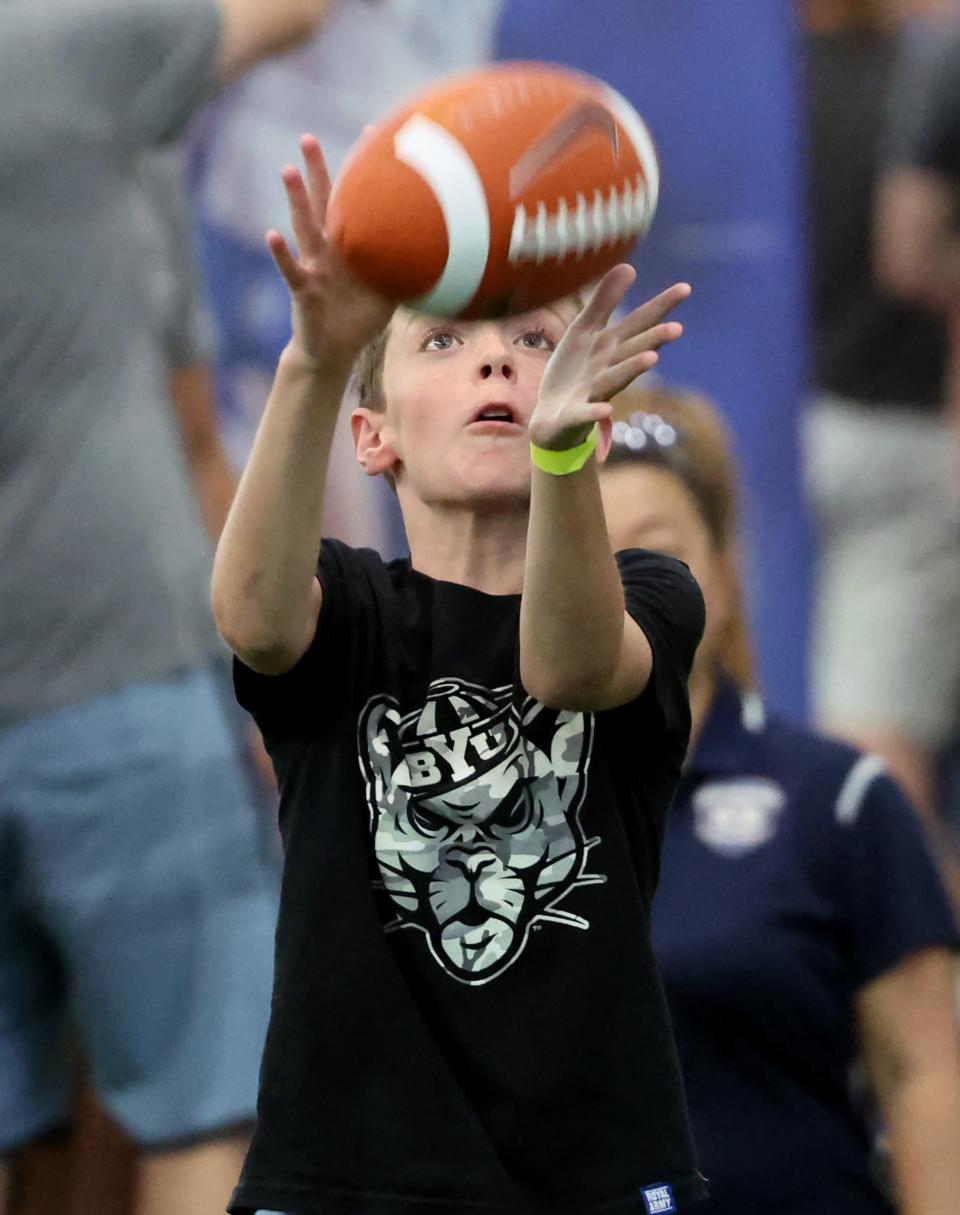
474 811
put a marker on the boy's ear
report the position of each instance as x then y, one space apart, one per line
371 440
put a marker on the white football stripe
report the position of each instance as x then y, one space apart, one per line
444 164
622 215
636 128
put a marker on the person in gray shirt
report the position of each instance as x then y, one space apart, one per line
137 894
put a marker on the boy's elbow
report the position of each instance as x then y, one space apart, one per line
571 691
262 649
267 633
260 654
598 678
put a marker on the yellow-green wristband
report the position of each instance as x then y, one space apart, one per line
561 463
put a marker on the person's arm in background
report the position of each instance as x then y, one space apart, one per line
215 483
251 31
214 477
257 29
917 218
917 212
187 335
139 72
908 1026
186 332
900 939
917 238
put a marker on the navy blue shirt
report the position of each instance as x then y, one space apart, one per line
793 874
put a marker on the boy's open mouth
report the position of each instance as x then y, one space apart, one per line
496 414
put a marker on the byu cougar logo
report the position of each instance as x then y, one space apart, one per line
474 808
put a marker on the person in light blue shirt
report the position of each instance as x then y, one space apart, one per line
801 927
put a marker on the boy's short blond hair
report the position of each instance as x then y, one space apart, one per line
368 369
368 372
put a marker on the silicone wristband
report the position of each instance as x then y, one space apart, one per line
561 463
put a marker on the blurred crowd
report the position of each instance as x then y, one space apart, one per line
140 320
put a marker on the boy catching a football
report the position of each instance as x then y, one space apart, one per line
476 750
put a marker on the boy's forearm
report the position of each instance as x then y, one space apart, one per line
572 609
265 594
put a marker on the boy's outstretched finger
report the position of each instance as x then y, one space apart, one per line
608 294
616 379
287 264
305 229
318 177
649 339
653 312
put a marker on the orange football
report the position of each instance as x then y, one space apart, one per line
496 192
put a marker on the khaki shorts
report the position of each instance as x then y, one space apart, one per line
886 640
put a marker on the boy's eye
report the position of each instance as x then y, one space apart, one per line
439 339
535 339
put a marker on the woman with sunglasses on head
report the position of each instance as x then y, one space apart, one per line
800 924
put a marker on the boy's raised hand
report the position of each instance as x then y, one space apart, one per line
334 315
595 360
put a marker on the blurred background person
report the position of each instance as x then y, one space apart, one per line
820 931
175 291
137 898
886 638
918 205
174 285
79 1171
918 217
368 57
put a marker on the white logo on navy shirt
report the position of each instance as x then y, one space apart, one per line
659 1199
735 817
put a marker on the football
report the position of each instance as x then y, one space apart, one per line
496 192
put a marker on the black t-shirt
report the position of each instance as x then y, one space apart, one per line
868 346
466 1012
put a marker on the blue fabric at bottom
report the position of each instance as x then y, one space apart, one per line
138 893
